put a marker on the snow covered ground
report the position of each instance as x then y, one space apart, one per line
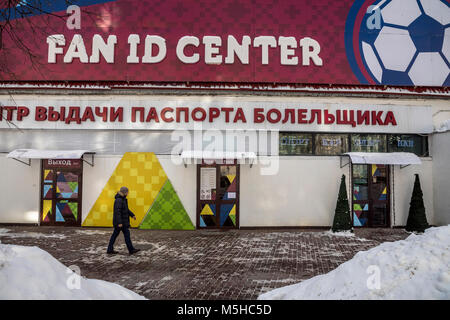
36 235
415 268
32 273
445 126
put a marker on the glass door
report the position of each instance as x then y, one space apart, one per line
227 195
360 196
379 195
218 194
370 195
61 196
206 201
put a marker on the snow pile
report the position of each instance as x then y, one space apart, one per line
26 234
90 232
445 126
345 234
32 273
415 268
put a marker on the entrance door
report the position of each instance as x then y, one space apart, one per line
370 195
218 194
61 192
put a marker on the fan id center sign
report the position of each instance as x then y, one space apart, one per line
155 49
183 114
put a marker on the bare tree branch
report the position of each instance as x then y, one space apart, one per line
21 24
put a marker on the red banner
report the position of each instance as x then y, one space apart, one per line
264 41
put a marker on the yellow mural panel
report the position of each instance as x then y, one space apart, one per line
231 177
46 208
207 211
143 175
233 211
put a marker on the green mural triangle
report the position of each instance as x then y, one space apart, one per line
72 185
167 212
74 208
233 218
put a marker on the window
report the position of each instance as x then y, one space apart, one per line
360 182
408 143
61 193
295 143
331 144
368 143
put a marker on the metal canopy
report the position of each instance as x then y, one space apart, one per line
29 154
389 158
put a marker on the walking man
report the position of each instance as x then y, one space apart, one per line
121 221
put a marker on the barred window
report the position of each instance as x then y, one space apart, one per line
408 143
368 143
331 144
295 143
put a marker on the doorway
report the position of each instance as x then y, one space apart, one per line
371 195
218 194
61 192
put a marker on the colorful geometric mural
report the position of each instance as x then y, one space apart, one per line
46 210
228 215
142 173
379 187
48 191
66 211
383 195
378 170
374 178
230 182
56 206
66 185
48 176
360 214
360 192
208 215
167 212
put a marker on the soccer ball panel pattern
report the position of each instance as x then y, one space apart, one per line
411 46
396 48
401 12
428 69
437 10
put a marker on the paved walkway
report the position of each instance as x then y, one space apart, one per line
236 264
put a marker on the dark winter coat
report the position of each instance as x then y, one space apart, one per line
121 212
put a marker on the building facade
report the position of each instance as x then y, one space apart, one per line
216 115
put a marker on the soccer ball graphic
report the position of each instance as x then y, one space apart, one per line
411 45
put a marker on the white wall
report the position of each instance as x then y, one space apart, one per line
284 199
302 193
19 191
95 179
402 183
441 177
184 181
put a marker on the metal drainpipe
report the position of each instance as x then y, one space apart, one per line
393 194
350 185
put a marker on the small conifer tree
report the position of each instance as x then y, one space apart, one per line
417 219
342 220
